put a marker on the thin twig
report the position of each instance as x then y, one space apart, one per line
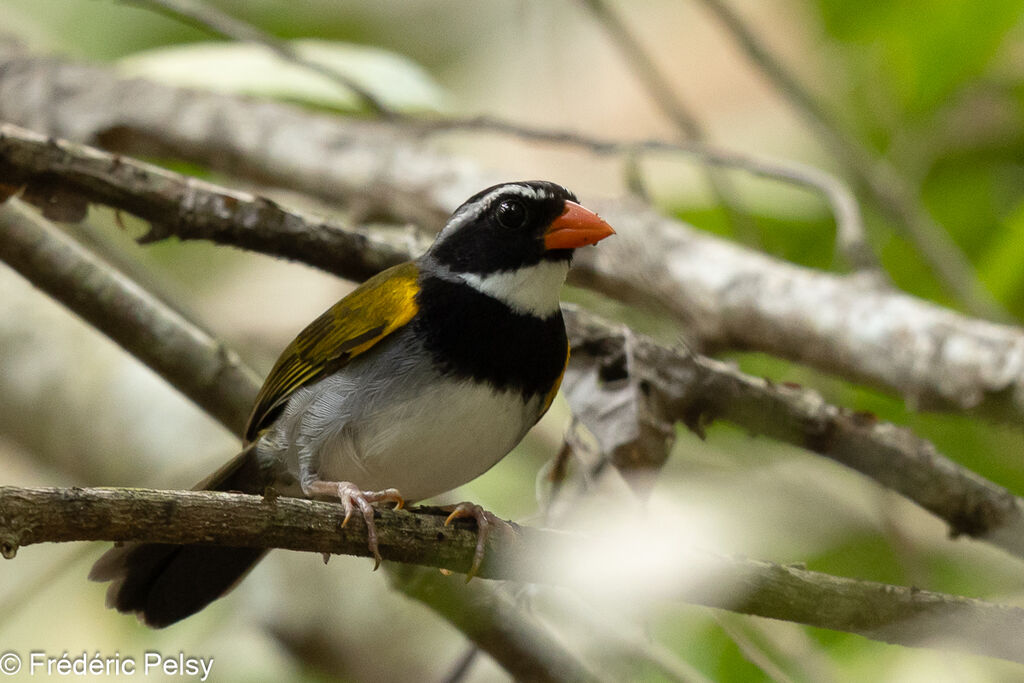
753 652
220 23
643 66
845 210
889 190
786 82
463 665
660 91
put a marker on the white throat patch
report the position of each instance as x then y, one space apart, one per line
530 290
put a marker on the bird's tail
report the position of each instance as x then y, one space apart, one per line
163 583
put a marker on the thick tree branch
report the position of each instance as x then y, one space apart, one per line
690 388
188 208
883 612
731 297
29 516
199 366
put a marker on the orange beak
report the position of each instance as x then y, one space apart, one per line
576 227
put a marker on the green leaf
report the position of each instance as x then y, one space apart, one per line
1000 266
251 69
919 51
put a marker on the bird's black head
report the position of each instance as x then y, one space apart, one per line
515 225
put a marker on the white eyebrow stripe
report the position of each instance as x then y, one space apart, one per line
472 212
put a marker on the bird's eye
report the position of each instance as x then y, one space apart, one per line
511 214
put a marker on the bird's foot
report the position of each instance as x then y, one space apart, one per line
352 497
485 523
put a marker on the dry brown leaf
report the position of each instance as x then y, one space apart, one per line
608 394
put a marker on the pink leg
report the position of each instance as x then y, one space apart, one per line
352 497
485 523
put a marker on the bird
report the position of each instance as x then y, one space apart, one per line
416 382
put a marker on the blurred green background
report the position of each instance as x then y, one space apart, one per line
936 89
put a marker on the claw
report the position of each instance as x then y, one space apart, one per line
346 503
352 497
484 523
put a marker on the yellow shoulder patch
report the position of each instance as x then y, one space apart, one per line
371 312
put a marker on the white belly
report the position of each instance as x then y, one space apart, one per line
435 436
430 443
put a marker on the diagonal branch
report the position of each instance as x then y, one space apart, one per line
188 208
691 388
732 297
695 390
884 185
659 90
729 296
477 609
199 366
654 81
892 614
